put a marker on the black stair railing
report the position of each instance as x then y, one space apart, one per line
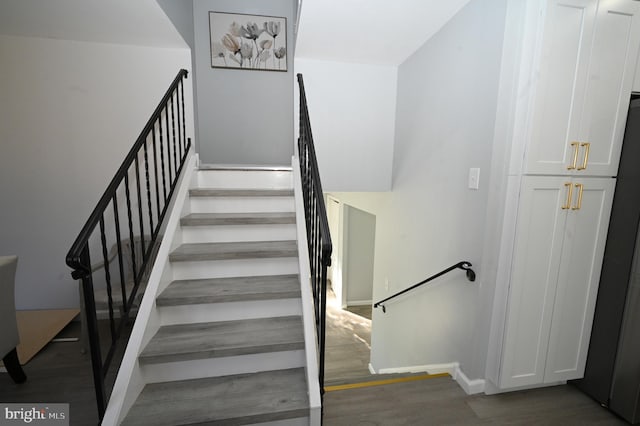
466 266
123 231
318 237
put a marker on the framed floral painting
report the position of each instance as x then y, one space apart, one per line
248 42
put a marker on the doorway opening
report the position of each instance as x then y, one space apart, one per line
350 293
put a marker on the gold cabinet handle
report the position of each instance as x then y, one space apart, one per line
576 147
578 205
587 147
569 196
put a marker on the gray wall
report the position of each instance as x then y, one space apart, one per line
445 117
244 116
181 15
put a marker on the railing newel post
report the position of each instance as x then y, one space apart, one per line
94 335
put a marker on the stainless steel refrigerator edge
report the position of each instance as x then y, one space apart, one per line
612 374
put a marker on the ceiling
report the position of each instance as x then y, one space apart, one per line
382 32
137 22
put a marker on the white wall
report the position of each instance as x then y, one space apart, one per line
446 110
359 251
70 113
352 109
244 116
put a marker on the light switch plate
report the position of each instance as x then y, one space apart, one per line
474 178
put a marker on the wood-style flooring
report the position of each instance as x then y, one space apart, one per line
436 401
61 373
361 310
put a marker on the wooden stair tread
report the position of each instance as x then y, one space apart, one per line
204 219
224 338
220 192
235 399
219 290
234 250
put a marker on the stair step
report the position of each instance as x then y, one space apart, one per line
236 399
223 339
234 250
235 289
207 219
224 192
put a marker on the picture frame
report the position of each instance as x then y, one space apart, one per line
248 42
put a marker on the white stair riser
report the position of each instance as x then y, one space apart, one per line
238 233
230 311
241 204
215 367
234 268
258 179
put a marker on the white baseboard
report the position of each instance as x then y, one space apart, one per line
471 387
453 369
449 368
359 302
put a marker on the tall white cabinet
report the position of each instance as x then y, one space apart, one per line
577 66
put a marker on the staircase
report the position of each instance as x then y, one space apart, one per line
224 338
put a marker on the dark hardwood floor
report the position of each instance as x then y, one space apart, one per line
61 373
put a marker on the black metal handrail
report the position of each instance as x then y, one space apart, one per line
318 237
164 135
471 276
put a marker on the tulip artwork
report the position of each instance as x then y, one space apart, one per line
248 42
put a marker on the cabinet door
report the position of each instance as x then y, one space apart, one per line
536 261
559 88
609 84
581 260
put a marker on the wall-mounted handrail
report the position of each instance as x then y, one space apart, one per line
464 265
130 213
318 238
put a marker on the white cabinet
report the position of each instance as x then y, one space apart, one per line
561 231
575 65
582 86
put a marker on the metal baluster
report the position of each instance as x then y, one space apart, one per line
131 240
140 218
107 276
164 180
180 142
156 178
184 129
166 121
173 133
147 179
123 288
